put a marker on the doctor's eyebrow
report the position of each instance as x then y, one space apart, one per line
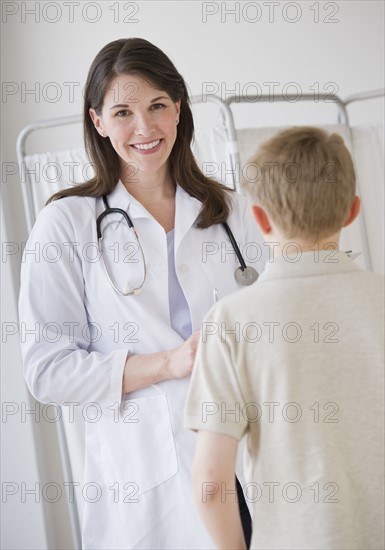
160 97
125 105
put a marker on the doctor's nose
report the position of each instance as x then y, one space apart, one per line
143 124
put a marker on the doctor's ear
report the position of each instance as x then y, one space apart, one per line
177 106
96 119
262 219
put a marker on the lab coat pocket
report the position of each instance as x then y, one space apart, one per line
138 443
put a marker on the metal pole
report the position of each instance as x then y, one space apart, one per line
30 219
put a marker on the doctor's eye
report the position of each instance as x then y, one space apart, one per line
122 113
158 106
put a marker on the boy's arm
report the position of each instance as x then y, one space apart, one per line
215 490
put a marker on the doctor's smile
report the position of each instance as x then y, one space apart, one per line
147 147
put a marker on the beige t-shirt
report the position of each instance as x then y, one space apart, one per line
296 362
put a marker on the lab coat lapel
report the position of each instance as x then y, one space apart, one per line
187 209
121 198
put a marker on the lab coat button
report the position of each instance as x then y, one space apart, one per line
183 268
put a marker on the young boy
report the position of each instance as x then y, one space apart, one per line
296 363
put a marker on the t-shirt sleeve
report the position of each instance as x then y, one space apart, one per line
215 401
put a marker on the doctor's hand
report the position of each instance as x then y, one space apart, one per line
141 371
181 359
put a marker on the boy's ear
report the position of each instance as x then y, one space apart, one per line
354 211
262 219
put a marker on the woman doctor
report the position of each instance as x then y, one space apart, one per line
129 313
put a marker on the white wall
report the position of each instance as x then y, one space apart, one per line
214 53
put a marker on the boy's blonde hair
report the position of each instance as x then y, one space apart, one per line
305 179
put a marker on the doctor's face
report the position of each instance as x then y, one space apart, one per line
141 123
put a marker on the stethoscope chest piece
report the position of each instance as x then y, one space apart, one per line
244 275
247 276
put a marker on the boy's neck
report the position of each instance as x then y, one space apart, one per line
284 245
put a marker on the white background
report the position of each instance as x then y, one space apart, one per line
228 53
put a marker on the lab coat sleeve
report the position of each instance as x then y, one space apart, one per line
58 366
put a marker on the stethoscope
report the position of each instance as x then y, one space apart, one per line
244 275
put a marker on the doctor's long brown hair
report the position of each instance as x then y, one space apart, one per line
139 57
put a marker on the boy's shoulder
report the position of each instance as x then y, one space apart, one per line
277 294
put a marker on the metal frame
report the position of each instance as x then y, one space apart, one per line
231 134
30 219
343 118
364 95
252 99
225 111
20 152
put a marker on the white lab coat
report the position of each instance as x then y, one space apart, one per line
138 452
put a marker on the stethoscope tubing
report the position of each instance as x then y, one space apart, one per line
126 291
241 276
235 246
